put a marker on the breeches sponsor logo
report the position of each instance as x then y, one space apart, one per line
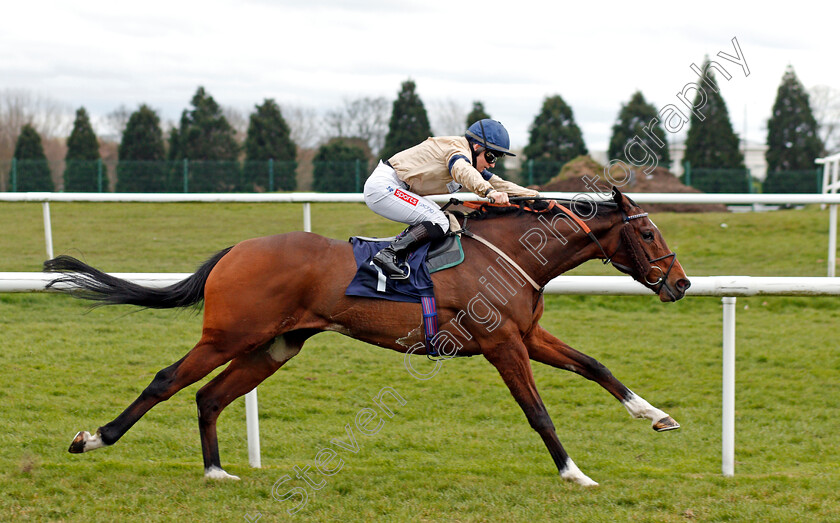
405 197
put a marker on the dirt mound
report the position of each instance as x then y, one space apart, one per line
570 179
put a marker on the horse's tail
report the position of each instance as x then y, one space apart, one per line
92 284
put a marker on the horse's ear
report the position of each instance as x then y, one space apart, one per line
617 197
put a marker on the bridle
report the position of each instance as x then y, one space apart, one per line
643 263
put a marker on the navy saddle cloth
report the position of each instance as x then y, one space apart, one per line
370 282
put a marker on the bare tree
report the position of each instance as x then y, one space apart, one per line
304 125
447 117
365 118
19 107
238 120
825 104
116 121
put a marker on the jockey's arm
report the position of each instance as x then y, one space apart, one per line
502 189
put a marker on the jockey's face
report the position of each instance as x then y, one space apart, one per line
481 162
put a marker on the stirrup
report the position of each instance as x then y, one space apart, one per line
387 268
403 275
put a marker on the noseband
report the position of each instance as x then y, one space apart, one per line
643 264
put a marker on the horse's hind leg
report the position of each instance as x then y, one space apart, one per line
545 348
208 354
515 369
243 374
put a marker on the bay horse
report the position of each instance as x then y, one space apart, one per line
264 297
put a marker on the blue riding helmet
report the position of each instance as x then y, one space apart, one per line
491 135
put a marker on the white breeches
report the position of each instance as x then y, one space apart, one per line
388 196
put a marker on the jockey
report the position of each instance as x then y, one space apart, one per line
439 165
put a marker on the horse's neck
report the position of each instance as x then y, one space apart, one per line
585 248
542 247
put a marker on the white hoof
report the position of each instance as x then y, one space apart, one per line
572 473
217 473
638 407
84 442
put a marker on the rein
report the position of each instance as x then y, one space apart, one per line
643 264
456 229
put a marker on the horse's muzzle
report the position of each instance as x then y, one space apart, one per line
674 292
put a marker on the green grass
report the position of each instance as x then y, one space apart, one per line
460 448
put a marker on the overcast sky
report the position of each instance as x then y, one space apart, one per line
508 54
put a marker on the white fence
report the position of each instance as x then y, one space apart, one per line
727 287
308 198
831 182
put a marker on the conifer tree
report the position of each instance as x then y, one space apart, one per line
269 140
31 170
208 142
337 164
142 166
711 142
174 162
554 139
630 126
792 139
173 152
477 113
82 170
409 124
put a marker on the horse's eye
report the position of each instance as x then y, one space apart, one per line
647 236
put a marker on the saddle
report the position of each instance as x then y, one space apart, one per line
369 281
443 254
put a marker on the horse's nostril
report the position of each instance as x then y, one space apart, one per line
683 284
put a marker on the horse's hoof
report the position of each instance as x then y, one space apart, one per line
217 473
84 442
572 473
78 445
666 423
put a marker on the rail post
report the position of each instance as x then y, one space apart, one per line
832 239
307 217
252 422
728 415
48 229
830 184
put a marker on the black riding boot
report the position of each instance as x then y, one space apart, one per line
414 236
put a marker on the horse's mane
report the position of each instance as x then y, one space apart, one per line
582 207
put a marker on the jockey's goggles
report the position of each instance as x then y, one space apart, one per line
492 156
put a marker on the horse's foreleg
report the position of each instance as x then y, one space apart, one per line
240 377
515 369
545 348
200 361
